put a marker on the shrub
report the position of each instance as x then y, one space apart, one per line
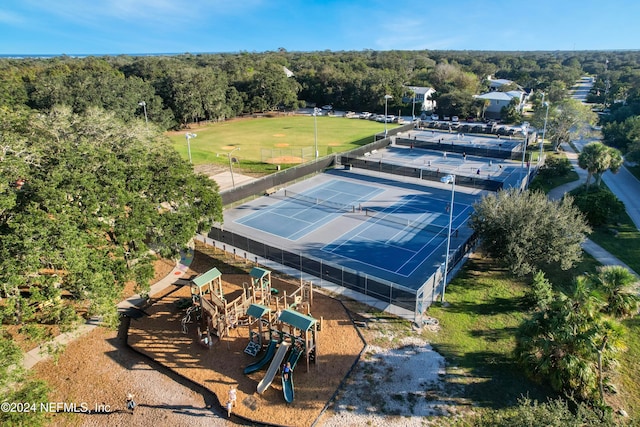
599 205
555 166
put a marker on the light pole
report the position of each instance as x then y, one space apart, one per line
544 129
449 179
315 128
413 107
233 183
525 132
189 135
386 99
144 107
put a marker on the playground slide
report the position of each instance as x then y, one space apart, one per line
265 359
287 385
273 368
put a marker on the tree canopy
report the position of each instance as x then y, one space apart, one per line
527 231
87 198
573 338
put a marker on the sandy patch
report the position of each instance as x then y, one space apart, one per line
228 147
281 144
392 387
279 135
334 144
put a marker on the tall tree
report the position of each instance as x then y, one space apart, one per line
597 158
92 206
566 118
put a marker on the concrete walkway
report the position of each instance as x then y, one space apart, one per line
133 303
589 246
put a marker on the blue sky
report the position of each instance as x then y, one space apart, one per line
98 27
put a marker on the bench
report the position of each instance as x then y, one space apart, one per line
270 191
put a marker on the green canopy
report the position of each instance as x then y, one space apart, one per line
296 319
257 310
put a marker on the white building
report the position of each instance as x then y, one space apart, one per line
498 100
422 98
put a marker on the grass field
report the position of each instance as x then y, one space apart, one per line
478 327
285 140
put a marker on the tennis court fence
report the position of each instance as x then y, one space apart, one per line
419 173
358 281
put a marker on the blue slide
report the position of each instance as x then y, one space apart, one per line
287 385
271 350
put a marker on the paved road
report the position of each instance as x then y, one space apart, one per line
623 184
581 89
589 246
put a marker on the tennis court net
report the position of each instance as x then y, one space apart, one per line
396 220
316 201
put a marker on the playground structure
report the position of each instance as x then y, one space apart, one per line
294 334
280 323
219 315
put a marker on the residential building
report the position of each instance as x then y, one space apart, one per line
422 100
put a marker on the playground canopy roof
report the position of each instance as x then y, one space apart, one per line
258 272
257 310
297 320
207 277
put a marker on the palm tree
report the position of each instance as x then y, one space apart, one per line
615 282
597 158
606 340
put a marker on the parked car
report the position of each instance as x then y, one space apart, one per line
327 107
455 119
435 117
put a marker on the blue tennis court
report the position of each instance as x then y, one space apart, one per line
297 216
360 224
400 237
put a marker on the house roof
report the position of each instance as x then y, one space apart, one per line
421 90
500 96
288 72
296 319
207 277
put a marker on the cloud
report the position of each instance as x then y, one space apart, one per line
142 12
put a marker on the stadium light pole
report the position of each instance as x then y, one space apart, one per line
315 128
386 99
413 107
233 183
189 135
525 132
144 107
449 179
544 130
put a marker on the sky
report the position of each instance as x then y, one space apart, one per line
111 27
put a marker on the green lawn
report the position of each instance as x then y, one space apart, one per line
275 140
477 335
622 240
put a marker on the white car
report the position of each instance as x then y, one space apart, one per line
455 119
435 117
327 107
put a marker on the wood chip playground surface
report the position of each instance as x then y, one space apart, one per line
160 336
